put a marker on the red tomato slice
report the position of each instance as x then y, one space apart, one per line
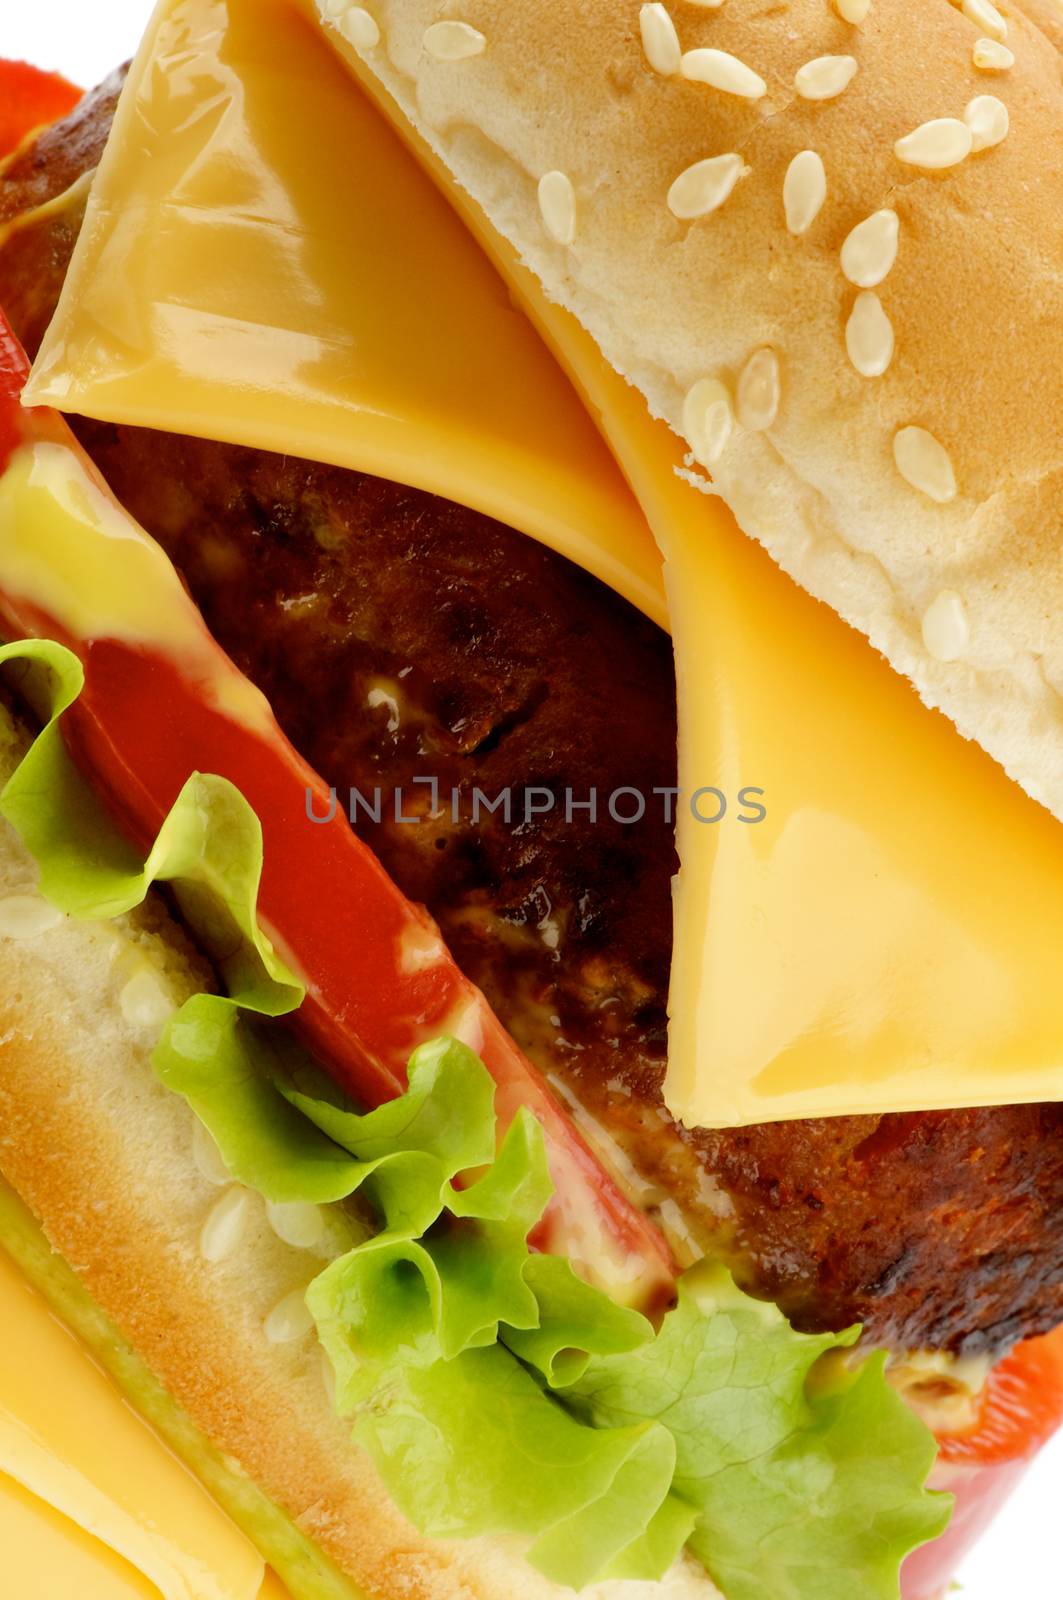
29 98
1022 1407
979 1493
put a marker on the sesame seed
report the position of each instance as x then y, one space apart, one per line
296 1222
226 1224
332 8
757 396
924 463
722 71
24 916
870 249
144 1002
207 1157
825 77
946 630
869 335
660 42
704 186
943 142
852 11
359 28
707 420
290 1319
990 56
454 41
987 119
804 190
985 15
557 202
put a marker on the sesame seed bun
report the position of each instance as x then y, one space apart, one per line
104 1157
923 502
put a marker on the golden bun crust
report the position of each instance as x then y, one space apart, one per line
104 1157
975 296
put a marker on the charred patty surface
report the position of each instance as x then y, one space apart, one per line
400 637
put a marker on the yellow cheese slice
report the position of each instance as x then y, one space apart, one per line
45 1554
262 263
890 937
92 1504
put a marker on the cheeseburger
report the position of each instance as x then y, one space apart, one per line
531 866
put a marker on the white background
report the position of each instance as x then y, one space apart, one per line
1019 1558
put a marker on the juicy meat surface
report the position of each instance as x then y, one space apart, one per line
36 252
399 636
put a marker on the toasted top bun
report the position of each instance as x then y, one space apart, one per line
105 1157
965 594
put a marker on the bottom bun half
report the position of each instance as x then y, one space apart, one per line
104 1162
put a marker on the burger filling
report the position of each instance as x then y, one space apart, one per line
429 663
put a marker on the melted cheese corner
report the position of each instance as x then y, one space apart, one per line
47 1554
92 1504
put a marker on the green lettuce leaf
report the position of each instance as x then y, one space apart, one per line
211 1054
803 1487
473 1445
575 1323
209 848
495 1390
